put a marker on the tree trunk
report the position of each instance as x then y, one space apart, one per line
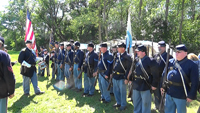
180 28
99 7
166 11
140 9
193 9
104 19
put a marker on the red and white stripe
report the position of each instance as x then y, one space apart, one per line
30 34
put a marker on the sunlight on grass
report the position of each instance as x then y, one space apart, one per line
66 101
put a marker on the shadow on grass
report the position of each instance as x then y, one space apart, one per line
50 83
17 85
41 78
93 101
22 102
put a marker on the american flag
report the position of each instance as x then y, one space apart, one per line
29 32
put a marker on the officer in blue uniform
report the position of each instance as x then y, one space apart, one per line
7 78
160 58
46 59
91 62
104 70
53 64
144 79
182 82
69 65
121 69
57 67
61 63
78 62
28 56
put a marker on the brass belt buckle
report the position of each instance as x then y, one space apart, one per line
118 73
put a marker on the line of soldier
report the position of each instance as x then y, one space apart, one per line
144 73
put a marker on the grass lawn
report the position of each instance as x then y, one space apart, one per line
66 101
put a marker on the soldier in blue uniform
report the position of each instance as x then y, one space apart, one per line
69 65
46 59
40 54
144 79
78 62
27 56
121 69
160 58
104 70
61 64
53 64
7 78
91 62
72 44
182 82
57 51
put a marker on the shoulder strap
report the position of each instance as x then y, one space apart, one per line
183 73
121 64
162 59
143 70
103 62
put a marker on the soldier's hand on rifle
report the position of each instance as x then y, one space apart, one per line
94 74
125 81
162 91
60 66
153 88
106 76
189 100
70 69
79 69
130 82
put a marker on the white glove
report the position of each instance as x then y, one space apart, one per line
39 59
24 63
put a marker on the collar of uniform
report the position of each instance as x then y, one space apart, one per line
144 57
163 53
29 49
182 60
91 52
105 53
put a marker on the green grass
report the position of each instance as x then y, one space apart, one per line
66 101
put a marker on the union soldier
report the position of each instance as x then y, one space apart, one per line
61 62
57 67
69 66
160 58
7 78
91 62
182 82
46 59
72 44
53 64
121 69
40 54
78 62
144 79
27 58
104 70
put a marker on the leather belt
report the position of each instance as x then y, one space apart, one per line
101 71
173 83
118 73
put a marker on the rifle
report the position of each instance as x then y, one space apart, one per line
152 47
164 85
130 72
95 82
111 76
80 74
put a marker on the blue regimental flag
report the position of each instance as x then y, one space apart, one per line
51 42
